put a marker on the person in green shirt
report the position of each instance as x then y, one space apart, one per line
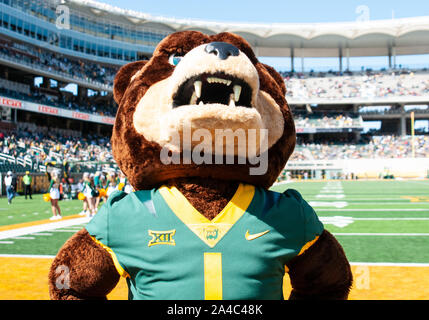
27 179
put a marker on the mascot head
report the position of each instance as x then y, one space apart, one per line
202 106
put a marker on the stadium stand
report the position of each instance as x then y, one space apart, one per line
30 147
370 85
56 97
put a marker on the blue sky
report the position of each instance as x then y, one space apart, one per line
297 11
287 11
276 10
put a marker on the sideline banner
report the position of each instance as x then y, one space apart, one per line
54 111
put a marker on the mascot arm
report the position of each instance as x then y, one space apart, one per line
321 272
82 269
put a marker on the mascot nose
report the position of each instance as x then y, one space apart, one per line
222 50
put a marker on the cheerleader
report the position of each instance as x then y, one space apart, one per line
54 193
113 183
90 193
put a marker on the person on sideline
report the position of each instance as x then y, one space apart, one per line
81 189
27 184
54 192
10 188
90 193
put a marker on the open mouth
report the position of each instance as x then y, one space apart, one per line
213 88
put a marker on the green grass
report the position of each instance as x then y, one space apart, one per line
386 226
22 210
363 199
41 245
375 199
385 249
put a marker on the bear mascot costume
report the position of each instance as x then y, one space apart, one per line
202 131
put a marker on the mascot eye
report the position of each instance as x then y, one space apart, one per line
174 60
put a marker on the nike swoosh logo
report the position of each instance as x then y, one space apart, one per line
250 237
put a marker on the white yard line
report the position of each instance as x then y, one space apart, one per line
337 204
384 234
335 196
389 219
381 264
351 198
26 256
23 238
283 182
42 227
389 264
372 209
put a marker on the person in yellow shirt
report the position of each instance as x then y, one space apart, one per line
27 184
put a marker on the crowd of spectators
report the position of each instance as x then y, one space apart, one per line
57 62
326 85
43 144
88 106
328 121
368 86
386 146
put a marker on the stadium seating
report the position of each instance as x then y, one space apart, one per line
372 85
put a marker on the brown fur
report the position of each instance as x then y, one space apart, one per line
321 272
92 274
209 197
140 160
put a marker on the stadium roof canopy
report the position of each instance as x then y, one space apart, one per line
358 38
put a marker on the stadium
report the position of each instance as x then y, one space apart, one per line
362 151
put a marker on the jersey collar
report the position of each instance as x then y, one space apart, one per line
210 232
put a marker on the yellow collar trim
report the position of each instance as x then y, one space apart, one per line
210 232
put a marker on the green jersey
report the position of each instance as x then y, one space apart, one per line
168 250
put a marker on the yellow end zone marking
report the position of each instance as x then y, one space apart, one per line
35 223
380 282
416 198
26 278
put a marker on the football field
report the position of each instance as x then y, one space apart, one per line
382 225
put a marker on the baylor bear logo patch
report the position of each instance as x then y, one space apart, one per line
211 233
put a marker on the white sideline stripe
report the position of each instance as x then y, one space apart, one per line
6 242
351 198
363 210
335 196
354 203
42 227
389 219
381 264
24 238
383 234
26 256
42 234
283 182
389 264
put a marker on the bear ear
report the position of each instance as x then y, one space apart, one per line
123 78
276 76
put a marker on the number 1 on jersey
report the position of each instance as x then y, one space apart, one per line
212 276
